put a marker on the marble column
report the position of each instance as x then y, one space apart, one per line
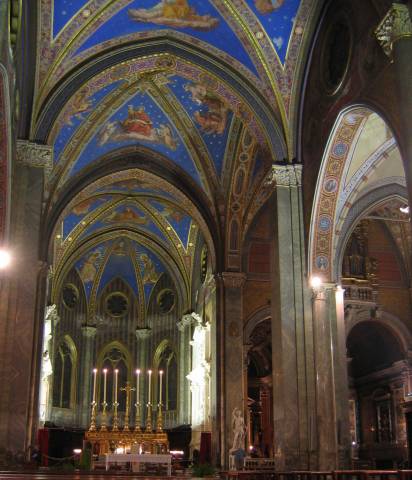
184 327
394 33
292 349
86 373
22 302
332 392
234 388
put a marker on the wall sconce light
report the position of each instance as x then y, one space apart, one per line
315 282
5 259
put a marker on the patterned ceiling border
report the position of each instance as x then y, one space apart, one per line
338 150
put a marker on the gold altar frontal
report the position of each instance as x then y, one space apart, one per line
105 441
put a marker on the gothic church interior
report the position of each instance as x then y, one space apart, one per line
208 200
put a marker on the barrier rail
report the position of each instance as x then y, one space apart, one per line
267 474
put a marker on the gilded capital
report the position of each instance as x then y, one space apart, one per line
395 25
285 176
35 155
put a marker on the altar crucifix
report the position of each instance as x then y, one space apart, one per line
128 389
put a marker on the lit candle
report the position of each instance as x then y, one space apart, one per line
150 385
94 384
116 374
137 385
104 384
160 385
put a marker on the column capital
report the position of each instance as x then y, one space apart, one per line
89 331
233 279
395 25
187 320
143 333
319 293
52 315
284 176
35 155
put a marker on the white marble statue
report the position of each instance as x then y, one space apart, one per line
238 425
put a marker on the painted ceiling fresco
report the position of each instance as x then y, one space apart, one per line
123 227
203 88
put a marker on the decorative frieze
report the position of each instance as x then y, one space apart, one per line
35 155
395 25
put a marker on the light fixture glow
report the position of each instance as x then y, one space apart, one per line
404 209
315 282
5 259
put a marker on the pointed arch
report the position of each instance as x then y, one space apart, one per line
64 374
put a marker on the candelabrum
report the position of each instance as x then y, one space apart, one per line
159 422
103 426
149 418
115 417
93 417
137 419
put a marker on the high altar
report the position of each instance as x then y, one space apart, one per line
105 439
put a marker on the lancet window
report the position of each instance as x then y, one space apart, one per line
114 357
168 363
64 375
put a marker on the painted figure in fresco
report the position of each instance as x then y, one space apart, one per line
174 13
268 6
213 117
149 270
77 108
89 269
127 215
173 213
137 126
137 121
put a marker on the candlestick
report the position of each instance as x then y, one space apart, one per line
94 384
160 386
137 384
104 404
150 387
104 384
137 404
116 375
115 404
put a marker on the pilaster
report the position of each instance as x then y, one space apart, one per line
292 349
234 388
332 393
394 33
